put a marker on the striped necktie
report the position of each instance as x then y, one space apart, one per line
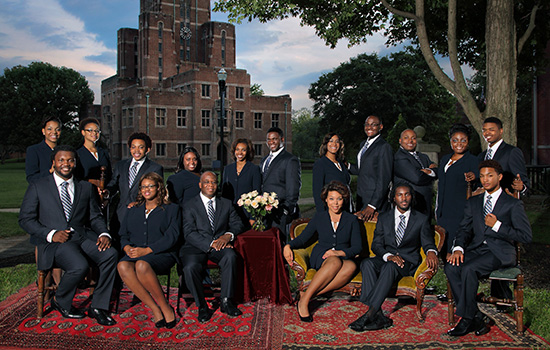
362 153
400 232
211 213
132 174
267 162
487 208
489 154
415 155
66 200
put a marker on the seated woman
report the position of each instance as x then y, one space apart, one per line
339 243
153 252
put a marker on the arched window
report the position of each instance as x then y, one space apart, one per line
223 47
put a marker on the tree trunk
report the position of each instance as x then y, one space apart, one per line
501 65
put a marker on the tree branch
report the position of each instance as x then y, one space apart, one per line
398 12
529 29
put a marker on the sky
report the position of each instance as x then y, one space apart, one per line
282 56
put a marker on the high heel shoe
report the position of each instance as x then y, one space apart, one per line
161 323
172 323
303 319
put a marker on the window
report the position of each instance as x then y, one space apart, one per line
161 149
123 118
239 93
181 147
160 76
160 62
130 117
205 118
160 116
160 47
205 148
257 120
182 54
239 120
205 90
223 48
275 120
258 149
181 121
161 28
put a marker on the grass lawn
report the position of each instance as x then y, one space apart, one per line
9 226
13 184
14 278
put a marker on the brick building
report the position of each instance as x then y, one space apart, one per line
167 85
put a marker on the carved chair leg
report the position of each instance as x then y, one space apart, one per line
518 294
40 302
419 299
450 305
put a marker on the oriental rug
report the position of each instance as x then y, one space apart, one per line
260 327
331 317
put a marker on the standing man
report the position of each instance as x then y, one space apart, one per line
281 173
127 173
63 218
514 175
416 169
210 225
375 168
484 243
398 237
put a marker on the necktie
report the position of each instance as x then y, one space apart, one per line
362 153
66 200
400 232
487 208
415 155
267 162
211 213
489 154
132 174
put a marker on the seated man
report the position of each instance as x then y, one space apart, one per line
398 236
62 216
484 243
209 226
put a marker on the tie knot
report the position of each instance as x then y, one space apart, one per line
402 217
65 184
489 197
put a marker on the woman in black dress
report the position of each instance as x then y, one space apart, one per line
149 234
330 166
91 157
184 184
241 177
339 243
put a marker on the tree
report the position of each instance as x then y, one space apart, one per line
399 84
306 134
493 32
256 90
28 94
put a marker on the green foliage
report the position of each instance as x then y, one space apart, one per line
387 87
28 94
306 134
256 90
395 132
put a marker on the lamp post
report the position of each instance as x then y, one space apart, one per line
222 76
147 113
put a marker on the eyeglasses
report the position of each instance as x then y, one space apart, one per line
93 131
147 187
373 125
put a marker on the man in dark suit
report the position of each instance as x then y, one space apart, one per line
416 169
38 159
127 173
510 158
398 237
484 243
210 225
64 221
375 168
281 173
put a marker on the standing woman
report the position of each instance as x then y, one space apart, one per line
90 157
148 235
339 243
38 160
241 177
330 166
455 171
184 184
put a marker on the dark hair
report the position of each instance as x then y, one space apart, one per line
186 150
277 130
48 119
249 150
161 195
140 136
338 187
87 121
495 120
63 148
490 163
459 127
403 184
375 116
323 148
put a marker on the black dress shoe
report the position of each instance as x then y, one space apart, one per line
463 327
227 307
204 314
302 318
442 298
72 313
102 317
380 322
480 326
359 324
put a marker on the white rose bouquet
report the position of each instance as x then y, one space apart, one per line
258 205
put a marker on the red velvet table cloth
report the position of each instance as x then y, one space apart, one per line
263 273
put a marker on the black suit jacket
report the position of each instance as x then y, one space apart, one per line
233 185
119 182
325 171
42 212
418 233
87 167
515 227
512 161
375 175
196 226
284 178
407 169
38 161
182 186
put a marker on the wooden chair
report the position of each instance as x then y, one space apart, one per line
413 286
45 288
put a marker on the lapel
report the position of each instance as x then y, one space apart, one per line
497 207
500 151
140 173
54 193
273 162
77 194
217 212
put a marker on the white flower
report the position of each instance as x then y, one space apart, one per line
254 204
